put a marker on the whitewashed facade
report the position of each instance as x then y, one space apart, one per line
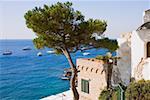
135 52
140 54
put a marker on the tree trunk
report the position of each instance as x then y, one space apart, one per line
74 74
109 75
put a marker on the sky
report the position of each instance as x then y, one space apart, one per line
122 16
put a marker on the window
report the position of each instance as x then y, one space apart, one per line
85 86
148 49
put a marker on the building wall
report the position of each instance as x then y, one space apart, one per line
92 71
140 64
146 69
137 50
124 63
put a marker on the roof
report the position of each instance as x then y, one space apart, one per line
144 26
144 32
147 11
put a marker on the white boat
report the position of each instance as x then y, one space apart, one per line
39 54
7 53
50 52
26 48
86 53
65 78
83 48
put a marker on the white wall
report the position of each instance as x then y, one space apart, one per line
137 51
146 70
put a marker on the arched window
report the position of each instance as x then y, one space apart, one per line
148 49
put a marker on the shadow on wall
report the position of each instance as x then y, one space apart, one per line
122 71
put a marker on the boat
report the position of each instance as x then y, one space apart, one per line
67 74
7 53
39 54
26 48
65 78
50 52
86 53
85 48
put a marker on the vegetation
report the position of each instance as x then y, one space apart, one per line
138 90
105 57
106 94
135 91
65 30
112 93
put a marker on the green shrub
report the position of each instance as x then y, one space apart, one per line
104 58
106 94
138 90
110 94
99 57
113 93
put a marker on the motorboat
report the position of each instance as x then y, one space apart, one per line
7 53
67 74
50 52
26 48
86 53
39 54
65 78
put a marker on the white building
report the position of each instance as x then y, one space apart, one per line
140 50
135 52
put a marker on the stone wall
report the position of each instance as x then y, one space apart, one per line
91 70
122 72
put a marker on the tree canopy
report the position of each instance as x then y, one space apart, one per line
60 26
64 29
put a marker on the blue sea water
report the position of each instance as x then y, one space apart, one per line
26 76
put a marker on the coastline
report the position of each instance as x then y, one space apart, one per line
66 95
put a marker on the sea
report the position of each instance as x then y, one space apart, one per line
26 76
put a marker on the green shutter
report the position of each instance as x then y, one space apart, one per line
85 86
81 85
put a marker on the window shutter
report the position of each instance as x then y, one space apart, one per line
82 85
85 86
